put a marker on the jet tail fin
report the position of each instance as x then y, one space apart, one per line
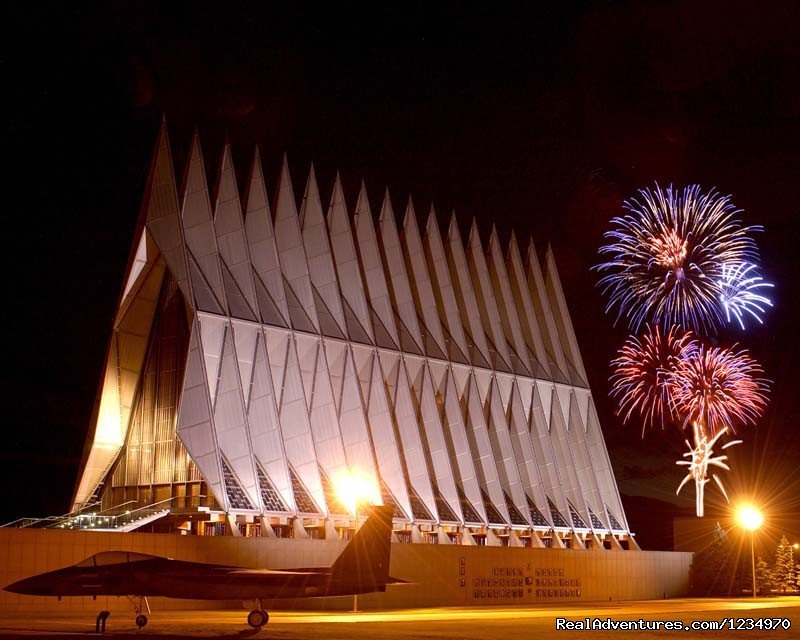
364 563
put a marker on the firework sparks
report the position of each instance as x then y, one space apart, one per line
641 374
717 388
666 256
741 292
701 457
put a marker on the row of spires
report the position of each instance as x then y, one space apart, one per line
293 270
522 344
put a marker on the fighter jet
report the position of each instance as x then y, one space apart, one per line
363 567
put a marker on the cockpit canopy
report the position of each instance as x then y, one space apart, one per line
106 558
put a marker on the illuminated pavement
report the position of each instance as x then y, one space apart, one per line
482 623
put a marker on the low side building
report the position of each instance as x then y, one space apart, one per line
440 575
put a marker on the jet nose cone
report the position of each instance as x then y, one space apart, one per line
30 587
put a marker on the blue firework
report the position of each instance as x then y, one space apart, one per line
666 256
741 293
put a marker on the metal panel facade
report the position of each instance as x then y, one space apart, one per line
451 376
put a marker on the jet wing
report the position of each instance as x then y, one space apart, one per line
263 573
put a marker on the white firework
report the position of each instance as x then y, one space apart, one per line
701 457
741 292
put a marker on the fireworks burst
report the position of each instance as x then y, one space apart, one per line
701 457
641 372
666 257
717 388
741 292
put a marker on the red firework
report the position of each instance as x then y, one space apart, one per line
717 388
641 372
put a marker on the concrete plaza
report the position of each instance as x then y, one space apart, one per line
446 623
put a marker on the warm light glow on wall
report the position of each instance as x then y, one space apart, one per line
356 488
109 427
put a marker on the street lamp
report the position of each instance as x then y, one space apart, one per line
751 519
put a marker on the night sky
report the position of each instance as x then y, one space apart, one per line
540 122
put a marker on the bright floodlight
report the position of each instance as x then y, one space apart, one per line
749 517
355 488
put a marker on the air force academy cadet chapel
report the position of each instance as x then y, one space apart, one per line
272 360
263 349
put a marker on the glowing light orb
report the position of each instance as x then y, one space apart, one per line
665 257
741 292
356 488
749 517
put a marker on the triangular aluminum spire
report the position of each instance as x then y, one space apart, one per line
583 398
277 342
265 429
140 261
504 383
162 213
230 424
374 274
399 286
387 452
435 440
584 465
292 256
504 451
487 303
296 429
482 451
566 460
212 335
566 332
421 286
526 386
307 348
232 243
263 250
413 449
543 393
353 418
524 453
359 324
563 395
465 294
544 316
194 422
320 261
325 423
201 241
461 455
363 361
336 360
525 306
546 460
509 318
245 335
443 289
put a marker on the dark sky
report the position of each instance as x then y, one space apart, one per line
541 122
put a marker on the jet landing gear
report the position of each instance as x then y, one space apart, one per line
257 618
140 604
